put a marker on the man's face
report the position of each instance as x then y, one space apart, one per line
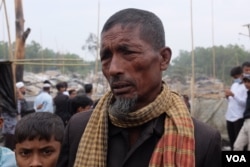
246 70
72 95
37 152
23 90
247 83
62 89
132 67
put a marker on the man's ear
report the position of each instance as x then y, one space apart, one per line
166 54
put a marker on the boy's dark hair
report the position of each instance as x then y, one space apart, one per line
71 91
88 88
80 101
60 85
41 125
47 81
236 71
65 84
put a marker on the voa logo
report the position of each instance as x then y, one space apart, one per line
236 158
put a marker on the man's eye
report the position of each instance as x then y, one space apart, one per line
105 55
127 52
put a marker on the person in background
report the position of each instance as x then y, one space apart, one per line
72 93
22 105
80 92
88 89
81 103
243 138
7 156
236 97
8 127
61 103
21 91
45 99
38 138
47 82
140 115
65 88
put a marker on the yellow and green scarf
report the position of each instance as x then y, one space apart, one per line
176 147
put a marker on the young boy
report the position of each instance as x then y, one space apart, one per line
38 138
7 156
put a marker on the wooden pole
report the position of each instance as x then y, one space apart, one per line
193 66
97 50
50 64
8 29
48 59
21 37
213 48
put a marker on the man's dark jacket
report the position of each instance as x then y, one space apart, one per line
207 143
62 109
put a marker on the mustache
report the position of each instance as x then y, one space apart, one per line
115 79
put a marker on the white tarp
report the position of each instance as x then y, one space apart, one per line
212 111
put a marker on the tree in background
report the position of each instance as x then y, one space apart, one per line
180 68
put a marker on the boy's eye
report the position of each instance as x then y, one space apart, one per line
25 153
47 152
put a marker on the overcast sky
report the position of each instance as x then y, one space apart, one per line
64 25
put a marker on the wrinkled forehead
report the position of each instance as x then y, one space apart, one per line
124 33
123 27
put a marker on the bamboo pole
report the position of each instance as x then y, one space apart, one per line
50 64
97 47
192 83
97 50
8 30
213 48
49 59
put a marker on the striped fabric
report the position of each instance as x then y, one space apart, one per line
174 149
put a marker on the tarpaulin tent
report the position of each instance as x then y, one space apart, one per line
7 91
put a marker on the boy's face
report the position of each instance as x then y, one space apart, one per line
40 153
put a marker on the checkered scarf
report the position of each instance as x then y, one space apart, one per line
174 149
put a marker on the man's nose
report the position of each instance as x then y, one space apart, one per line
116 66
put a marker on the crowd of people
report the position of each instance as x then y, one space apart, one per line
139 122
64 104
238 111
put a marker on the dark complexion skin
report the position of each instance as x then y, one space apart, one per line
132 67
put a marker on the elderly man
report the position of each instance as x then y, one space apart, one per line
140 122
